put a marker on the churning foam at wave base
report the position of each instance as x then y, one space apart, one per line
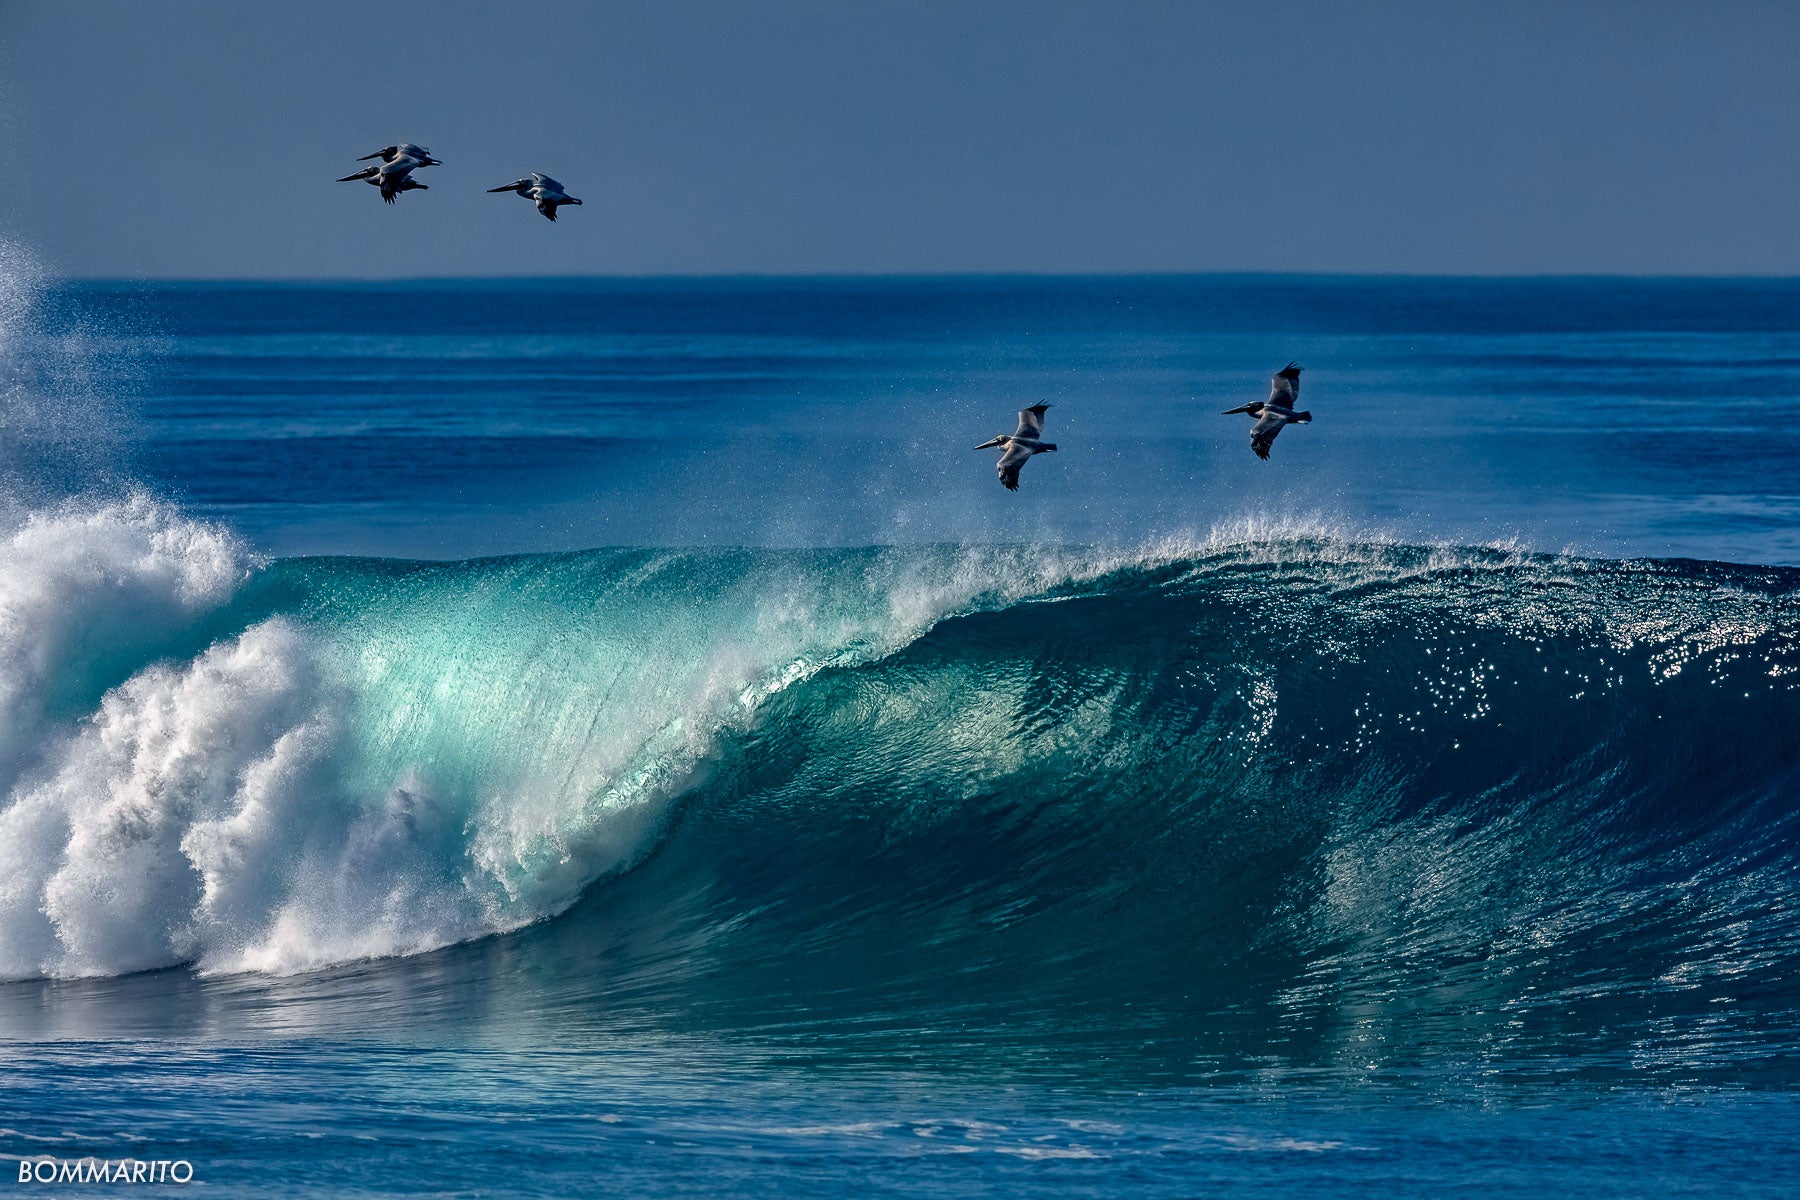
428 753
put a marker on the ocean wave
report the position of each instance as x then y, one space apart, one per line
1359 756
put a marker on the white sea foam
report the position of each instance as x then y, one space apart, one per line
80 582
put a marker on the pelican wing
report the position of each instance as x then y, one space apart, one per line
1284 388
1009 465
544 181
547 207
1262 434
1031 422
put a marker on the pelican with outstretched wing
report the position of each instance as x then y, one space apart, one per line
1275 412
393 174
543 190
392 178
1020 445
393 187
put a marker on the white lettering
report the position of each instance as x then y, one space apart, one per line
103 1170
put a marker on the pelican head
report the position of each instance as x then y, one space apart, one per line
997 440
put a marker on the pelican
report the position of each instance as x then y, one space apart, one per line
390 154
1020 445
546 191
392 188
392 178
1276 411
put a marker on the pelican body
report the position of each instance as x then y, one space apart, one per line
1020 445
1273 414
543 190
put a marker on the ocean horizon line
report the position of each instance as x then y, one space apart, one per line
929 276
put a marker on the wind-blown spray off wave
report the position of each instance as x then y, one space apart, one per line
1315 758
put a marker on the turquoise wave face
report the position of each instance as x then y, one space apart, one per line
1270 776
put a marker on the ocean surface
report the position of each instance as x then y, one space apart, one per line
591 737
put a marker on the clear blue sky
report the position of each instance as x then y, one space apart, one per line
201 139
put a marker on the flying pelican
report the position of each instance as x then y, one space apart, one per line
1276 411
397 163
392 178
392 188
389 154
1020 445
546 191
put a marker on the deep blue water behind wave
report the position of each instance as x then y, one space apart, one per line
446 420
1182 824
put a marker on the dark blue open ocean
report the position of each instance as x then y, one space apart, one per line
618 738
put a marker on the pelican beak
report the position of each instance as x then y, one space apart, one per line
500 189
998 441
367 157
1240 408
